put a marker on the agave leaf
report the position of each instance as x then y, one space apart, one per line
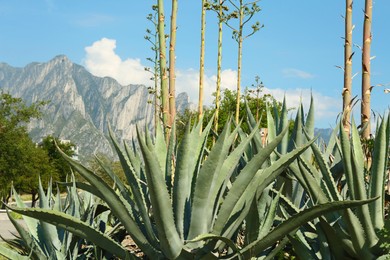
31 224
347 159
332 141
118 205
316 193
360 191
251 119
170 241
281 245
12 254
47 233
337 242
85 187
75 226
270 217
309 124
282 124
326 173
206 237
136 190
200 222
252 123
271 126
271 132
226 170
117 181
161 146
358 235
296 221
301 248
190 153
297 138
252 222
169 153
241 194
378 173
134 159
30 242
357 163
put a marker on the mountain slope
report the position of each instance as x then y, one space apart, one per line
80 105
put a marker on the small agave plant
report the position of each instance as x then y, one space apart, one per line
186 201
37 239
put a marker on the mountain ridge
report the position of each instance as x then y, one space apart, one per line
81 105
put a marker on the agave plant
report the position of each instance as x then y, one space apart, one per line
187 201
39 240
336 173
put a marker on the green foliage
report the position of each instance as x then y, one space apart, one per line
48 144
100 161
227 108
21 162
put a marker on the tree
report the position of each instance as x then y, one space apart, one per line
366 70
49 145
19 157
35 165
256 104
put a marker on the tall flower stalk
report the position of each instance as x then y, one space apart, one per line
202 54
163 66
172 60
366 69
347 90
244 12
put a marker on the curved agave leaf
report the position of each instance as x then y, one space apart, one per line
118 205
12 254
170 241
200 222
262 179
282 124
136 190
246 181
75 226
378 172
30 241
295 222
47 233
226 170
189 156
207 237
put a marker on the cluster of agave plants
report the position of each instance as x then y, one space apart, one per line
235 200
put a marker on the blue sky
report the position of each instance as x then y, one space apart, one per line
295 53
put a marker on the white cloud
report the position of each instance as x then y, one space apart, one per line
101 60
325 107
188 81
295 73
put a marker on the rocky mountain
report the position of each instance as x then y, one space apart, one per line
80 105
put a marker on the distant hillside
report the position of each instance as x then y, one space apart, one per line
324 133
81 105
